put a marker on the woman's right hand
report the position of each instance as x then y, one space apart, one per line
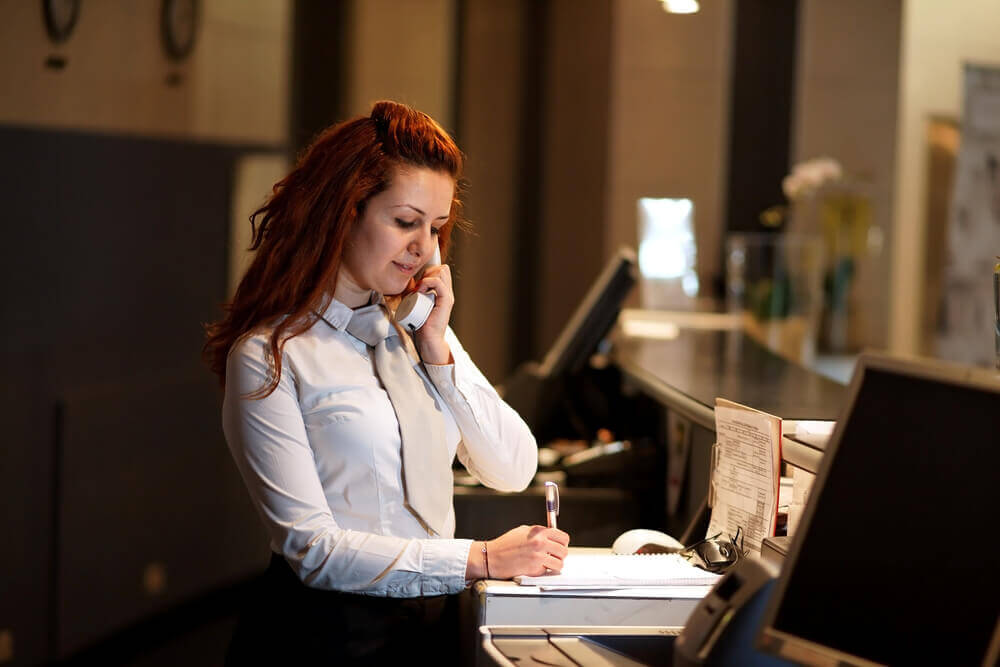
531 550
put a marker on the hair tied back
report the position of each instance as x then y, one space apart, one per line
381 126
380 116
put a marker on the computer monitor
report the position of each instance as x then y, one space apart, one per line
539 391
895 558
593 317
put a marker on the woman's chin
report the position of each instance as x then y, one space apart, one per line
393 291
395 288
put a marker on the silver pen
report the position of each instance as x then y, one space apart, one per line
551 503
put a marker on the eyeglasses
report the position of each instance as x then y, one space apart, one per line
716 554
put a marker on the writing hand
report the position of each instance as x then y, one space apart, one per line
532 550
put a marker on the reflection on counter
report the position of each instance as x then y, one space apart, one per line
667 325
709 355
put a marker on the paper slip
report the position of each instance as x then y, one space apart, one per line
815 433
622 571
746 466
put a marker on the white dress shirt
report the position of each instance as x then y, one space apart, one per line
321 459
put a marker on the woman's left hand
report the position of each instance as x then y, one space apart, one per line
430 338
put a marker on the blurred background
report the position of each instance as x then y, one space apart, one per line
136 137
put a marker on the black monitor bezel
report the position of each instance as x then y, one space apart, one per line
594 317
772 641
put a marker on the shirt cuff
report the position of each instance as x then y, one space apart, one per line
446 561
443 377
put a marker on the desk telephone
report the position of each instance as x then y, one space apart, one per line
643 541
715 554
415 307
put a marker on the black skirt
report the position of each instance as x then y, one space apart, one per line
285 620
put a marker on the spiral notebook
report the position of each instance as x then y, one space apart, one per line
622 571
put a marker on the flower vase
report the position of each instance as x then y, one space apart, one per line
844 220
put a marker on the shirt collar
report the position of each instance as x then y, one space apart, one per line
337 314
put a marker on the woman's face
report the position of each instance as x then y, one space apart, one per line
399 229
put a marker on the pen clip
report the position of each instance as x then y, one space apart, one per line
552 497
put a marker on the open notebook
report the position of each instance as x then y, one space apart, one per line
622 571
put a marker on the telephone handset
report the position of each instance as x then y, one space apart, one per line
416 307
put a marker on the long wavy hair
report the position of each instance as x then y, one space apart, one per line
299 234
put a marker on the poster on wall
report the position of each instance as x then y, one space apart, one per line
966 326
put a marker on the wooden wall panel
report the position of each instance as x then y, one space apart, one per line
115 254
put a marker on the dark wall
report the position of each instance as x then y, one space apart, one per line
319 78
113 466
760 114
574 157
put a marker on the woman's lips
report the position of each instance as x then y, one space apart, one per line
408 269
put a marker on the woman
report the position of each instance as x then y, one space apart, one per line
353 487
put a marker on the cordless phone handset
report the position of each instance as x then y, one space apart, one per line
416 307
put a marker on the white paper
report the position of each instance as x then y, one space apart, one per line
622 571
815 433
745 475
801 485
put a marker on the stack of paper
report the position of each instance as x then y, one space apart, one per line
743 491
622 571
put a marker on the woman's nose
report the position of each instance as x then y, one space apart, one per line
424 243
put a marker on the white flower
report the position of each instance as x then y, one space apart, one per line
810 175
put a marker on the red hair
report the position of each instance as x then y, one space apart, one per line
300 232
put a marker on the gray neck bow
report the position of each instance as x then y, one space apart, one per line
427 477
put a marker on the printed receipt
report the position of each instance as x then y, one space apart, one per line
745 473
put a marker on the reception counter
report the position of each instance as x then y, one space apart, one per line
684 361
679 366
689 361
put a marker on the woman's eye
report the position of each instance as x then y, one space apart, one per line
435 230
405 223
